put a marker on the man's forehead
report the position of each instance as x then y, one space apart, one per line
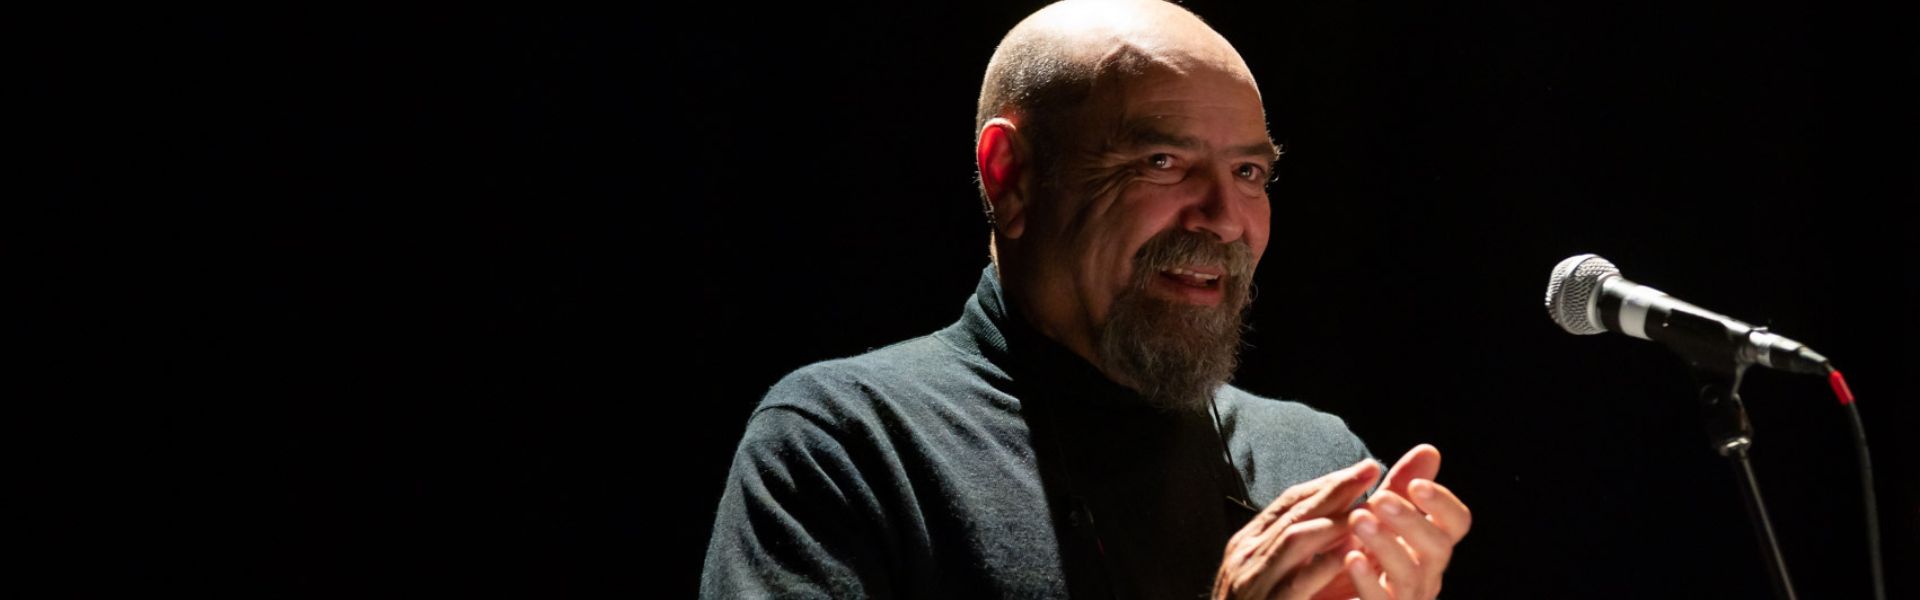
1203 108
1248 140
1134 70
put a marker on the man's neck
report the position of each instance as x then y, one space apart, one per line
1025 308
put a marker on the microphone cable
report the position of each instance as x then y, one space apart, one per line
1845 395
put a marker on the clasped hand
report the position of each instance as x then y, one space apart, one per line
1395 546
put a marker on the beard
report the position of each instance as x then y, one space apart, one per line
1176 354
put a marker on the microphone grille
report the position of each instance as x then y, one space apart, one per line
1571 291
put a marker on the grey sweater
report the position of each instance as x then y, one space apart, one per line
988 461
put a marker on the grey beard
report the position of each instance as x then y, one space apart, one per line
1176 355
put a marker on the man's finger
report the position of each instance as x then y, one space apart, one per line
1310 492
1403 572
1339 490
1422 462
1366 580
1287 550
1431 545
1289 554
1302 541
1312 577
1338 589
1444 509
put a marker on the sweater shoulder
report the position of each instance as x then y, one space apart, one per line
856 388
1274 415
1286 432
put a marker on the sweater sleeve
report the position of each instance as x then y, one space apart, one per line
795 519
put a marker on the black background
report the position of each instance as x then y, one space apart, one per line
478 301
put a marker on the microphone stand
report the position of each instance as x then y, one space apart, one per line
1732 435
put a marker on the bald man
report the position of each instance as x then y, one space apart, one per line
1073 434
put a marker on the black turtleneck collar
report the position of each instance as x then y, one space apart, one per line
1139 494
993 326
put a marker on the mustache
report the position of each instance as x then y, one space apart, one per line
1179 247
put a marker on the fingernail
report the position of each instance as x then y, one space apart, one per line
1389 507
1367 528
1422 488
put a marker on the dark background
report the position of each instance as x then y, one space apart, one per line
426 302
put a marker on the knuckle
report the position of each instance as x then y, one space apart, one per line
1291 496
1287 520
1264 552
1252 553
1241 582
1258 523
1233 556
1286 541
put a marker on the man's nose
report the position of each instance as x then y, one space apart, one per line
1217 210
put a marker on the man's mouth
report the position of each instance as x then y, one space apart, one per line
1200 277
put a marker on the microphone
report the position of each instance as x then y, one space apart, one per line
1586 295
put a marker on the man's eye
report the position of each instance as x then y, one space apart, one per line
1250 172
1160 161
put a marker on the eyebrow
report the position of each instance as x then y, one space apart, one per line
1145 134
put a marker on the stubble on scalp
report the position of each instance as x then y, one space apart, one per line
1177 355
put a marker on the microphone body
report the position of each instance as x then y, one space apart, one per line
1587 295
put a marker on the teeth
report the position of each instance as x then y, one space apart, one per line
1200 276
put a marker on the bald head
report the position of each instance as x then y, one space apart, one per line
1124 157
1052 61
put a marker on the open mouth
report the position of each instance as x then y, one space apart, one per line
1192 278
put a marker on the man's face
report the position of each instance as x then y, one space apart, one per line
1175 164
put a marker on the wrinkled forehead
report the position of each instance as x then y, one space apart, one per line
1176 97
1118 55
1177 78
1183 63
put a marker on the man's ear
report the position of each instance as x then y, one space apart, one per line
1004 160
